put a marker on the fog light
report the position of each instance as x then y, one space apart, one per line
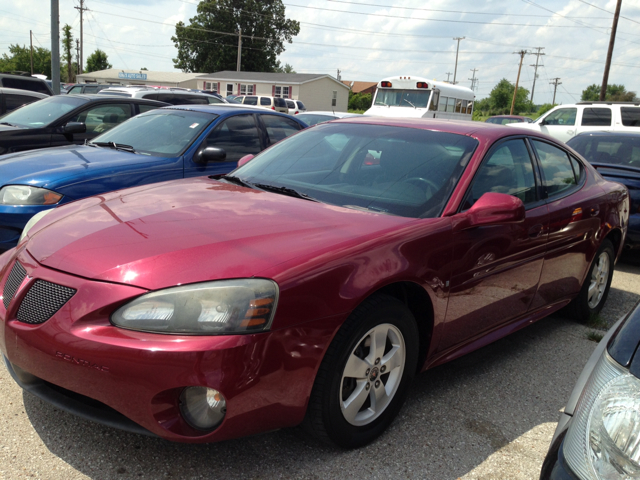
203 408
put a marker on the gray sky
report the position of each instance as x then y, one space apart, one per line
370 39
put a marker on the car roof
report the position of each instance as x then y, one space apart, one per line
227 108
608 134
332 114
95 98
19 91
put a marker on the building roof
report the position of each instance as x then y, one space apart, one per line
267 77
357 87
152 76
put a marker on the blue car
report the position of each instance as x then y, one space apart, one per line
163 144
616 156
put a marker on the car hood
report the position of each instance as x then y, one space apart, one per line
51 167
9 128
192 230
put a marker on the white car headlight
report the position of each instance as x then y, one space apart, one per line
211 308
603 442
27 195
32 221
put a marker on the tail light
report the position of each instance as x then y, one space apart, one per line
422 85
273 108
386 84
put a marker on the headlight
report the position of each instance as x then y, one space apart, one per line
603 441
212 308
26 195
32 221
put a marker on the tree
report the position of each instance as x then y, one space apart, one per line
286 69
615 93
67 56
19 60
209 43
502 94
144 68
359 101
97 61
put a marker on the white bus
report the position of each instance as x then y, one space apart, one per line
418 97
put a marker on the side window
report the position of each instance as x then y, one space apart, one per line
250 100
630 116
101 118
434 101
556 167
265 101
213 99
146 108
91 89
469 108
562 116
451 104
508 169
578 169
151 96
192 100
443 104
238 136
15 101
76 89
279 127
596 117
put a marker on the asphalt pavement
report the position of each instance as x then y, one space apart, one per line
489 415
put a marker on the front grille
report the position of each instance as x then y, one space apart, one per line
42 301
16 277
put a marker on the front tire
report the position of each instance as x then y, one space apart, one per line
595 288
365 375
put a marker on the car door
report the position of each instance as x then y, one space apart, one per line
97 118
278 128
576 211
560 123
496 269
238 135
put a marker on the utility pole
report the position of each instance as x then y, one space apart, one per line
612 39
55 46
78 72
31 42
473 80
522 53
239 49
338 75
555 83
455 70
81 9
535 72
448 74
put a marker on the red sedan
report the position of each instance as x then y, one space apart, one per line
308 286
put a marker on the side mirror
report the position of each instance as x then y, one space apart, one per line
211 154
74 127
245 159
492 209
543 123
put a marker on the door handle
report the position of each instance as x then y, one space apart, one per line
570 132
535 231
594 211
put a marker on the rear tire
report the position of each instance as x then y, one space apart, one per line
595 288
365 375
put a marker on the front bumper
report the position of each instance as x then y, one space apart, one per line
266 378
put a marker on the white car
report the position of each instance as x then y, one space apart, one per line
312 118
172 96
566 121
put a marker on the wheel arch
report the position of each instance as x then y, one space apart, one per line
615 237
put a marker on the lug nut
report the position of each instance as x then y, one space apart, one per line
367 372
367 386
377 361
383 368
377 383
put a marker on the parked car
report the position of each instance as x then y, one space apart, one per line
272 103
12 98
65 119
87 87
306 286
159 145
24 82
616 156
171 96
596 437
313 118
566 121
504 119
295 107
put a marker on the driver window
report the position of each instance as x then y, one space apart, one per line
103 117
563 116
508 169
238 136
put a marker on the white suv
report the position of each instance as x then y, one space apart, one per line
174 97
566 121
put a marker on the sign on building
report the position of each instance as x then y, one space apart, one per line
132 76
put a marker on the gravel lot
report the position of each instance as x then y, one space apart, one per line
489 415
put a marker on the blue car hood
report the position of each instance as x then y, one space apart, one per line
56 168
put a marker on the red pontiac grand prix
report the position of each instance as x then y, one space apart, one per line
308 286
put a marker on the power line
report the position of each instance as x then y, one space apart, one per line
612 13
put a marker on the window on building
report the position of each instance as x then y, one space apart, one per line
211 86
246 89
334 100
229 88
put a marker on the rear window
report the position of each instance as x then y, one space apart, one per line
25 84
630 116
280 102
301 105
596 117
15 101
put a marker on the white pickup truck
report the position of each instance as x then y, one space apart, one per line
565 121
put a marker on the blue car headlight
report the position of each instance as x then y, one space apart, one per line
603 441
28 195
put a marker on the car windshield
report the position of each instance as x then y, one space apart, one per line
403 98
617 150
43 112
163 133
398 171
313 119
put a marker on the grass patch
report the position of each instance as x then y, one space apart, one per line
596 321
595 336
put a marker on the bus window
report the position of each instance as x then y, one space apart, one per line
443 104
451 104
434 101
469 108
463 108
458 106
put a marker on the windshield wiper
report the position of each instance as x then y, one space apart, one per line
409 102
8 124
285 191
115 146
237 181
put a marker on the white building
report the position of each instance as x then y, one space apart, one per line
117 76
